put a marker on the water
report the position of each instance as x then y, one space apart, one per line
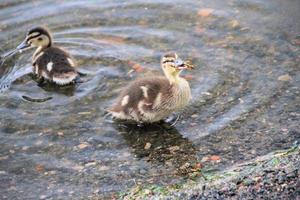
245 92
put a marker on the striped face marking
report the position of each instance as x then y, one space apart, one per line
32 35
49 66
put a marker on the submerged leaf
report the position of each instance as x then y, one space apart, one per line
205 12
215 158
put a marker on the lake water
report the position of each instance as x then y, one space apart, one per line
245 91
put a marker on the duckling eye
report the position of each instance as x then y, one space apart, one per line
178 62
40 39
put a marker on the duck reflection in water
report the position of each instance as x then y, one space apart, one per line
160 144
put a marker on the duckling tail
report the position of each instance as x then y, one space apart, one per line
81 73
78 79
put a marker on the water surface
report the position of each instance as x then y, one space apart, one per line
245 92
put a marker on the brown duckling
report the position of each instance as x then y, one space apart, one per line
152 99
49 62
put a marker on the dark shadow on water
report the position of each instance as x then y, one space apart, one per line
159 144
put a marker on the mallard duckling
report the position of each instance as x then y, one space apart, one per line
49 62
152 99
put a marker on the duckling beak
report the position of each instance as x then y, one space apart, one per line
23 46
180 64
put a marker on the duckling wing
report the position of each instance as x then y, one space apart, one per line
55 64
55 61
142 95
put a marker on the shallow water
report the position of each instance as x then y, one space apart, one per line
245 92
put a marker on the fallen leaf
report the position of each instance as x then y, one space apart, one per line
83 145
205 12
285 77
137 68
142 23
39 168
215 158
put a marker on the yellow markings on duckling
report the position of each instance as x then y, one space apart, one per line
37 56
145 91
125 100
32 35
71 62
49 66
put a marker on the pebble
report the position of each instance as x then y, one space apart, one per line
205 159
60 133
253 151
185 166
3 157
147 191
25 148
147 146
206 93
194 116
234 23
174 148
90 164
285 77
103 168
39 142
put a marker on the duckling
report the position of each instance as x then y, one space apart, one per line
49 62
151 99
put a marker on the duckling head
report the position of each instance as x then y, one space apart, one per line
172 66
38 37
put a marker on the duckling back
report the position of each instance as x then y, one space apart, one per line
55 65
151 99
